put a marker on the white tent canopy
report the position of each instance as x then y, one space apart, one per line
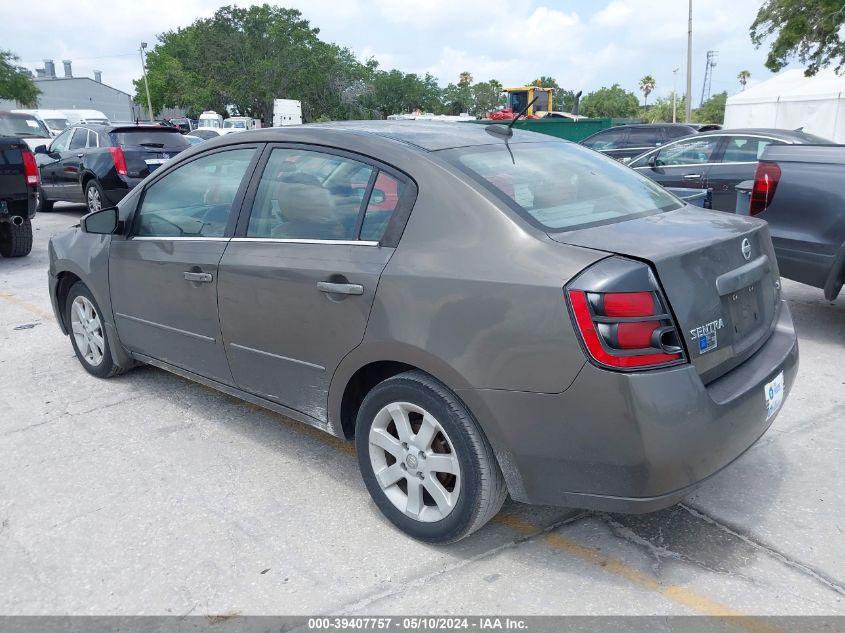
790 100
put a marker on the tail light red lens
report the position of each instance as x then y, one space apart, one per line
119 160
30 169
765 184
626 330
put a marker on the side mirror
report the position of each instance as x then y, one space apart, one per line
102 222
652 160
40 149
377 197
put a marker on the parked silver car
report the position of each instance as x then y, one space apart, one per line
486 312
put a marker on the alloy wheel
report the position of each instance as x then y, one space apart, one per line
87 330
93 198
414 462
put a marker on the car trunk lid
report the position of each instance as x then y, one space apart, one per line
718 272
146 149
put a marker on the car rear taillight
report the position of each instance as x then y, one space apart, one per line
119 160
765 183
626 330
30 169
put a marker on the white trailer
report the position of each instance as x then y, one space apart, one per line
287 112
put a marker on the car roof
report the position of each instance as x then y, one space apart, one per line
17 115
123 127
758 131
422 135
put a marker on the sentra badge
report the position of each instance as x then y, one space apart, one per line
705 335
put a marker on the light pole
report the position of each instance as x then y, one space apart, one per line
146 85
688 112
674 95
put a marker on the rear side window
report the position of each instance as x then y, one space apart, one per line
308 195
149 138
194 200
80 139
696 150
643 137
745 149
560 186
673 132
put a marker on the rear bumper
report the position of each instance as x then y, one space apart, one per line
633 442
22 205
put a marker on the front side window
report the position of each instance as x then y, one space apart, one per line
61 141
692 151
561 186
194 200
310 195
606 140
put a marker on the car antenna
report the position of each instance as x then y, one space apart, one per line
506 131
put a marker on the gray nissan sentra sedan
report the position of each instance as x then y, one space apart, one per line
485 314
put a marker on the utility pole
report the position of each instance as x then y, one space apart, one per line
147 85
688 113
674 95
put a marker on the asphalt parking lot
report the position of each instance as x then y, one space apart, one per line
149 494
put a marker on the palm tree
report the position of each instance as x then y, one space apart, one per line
647 84
743 77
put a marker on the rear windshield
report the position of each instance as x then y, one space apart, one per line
149 138
22 126
562 186
57 124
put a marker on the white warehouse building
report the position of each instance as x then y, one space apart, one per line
79 93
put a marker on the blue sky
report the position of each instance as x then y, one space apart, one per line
583 44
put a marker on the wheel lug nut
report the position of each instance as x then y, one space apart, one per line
402 466
422 455
405 445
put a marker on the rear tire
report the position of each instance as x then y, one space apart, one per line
438 479
95 199
15 241
88 332
43 205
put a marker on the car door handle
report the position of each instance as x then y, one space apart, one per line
340 289
80 155
692 176
200 277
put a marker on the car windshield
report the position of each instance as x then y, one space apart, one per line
23 126
150 138
209 123
562 186
56 124
238 124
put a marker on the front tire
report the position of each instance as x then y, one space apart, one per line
95 199
88 332
42 204
15 240
425 461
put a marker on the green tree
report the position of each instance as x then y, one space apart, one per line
394 92
811 30
16 82
647 85
743 77
611 102
457 98
661 110
712 110
486 97
243 58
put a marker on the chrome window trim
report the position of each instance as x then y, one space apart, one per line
748 162
280 240
707 135
159 238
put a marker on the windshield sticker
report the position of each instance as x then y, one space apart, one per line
32 123
705 335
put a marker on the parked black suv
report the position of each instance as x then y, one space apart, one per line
18 183
99 164
627 141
